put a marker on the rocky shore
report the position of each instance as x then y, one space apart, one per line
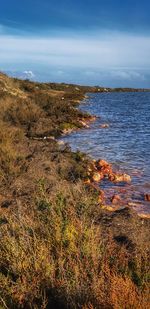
62 245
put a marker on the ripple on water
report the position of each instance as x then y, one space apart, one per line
126 142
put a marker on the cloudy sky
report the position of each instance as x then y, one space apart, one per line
101 42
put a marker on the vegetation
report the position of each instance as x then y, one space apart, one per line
59 248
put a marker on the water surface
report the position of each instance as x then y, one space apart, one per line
126 143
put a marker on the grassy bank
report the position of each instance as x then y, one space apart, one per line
59 248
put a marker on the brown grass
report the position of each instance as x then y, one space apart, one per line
52 253
58 248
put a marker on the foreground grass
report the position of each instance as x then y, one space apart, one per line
58 248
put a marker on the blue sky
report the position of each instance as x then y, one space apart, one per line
104 42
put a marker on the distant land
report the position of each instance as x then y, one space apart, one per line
37 77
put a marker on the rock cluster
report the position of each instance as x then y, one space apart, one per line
100 170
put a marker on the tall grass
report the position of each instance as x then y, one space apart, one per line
53 253
58 249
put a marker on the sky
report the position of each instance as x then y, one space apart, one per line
97 42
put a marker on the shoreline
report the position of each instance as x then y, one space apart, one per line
97 174
56 239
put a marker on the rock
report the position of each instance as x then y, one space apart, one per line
104 126
84 124
115 199
97 177
67 131
122 178
112 177
86 121
109 208
60 142
49 138
103 163
133 204
106 171
144 215
126 178
93 118
147 197
104 167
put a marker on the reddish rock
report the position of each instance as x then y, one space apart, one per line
147 197
115 199
127 178
107 170
103 164
122 178
112 177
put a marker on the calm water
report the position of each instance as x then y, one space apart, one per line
126 143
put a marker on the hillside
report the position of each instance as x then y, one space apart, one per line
59 247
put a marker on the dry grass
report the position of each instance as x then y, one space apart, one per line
58 249
53 253
19 112
10 159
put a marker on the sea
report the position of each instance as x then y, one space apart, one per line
124 141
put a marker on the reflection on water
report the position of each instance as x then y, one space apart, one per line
126 142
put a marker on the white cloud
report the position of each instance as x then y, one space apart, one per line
29 74
127 74
97 51
108 58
